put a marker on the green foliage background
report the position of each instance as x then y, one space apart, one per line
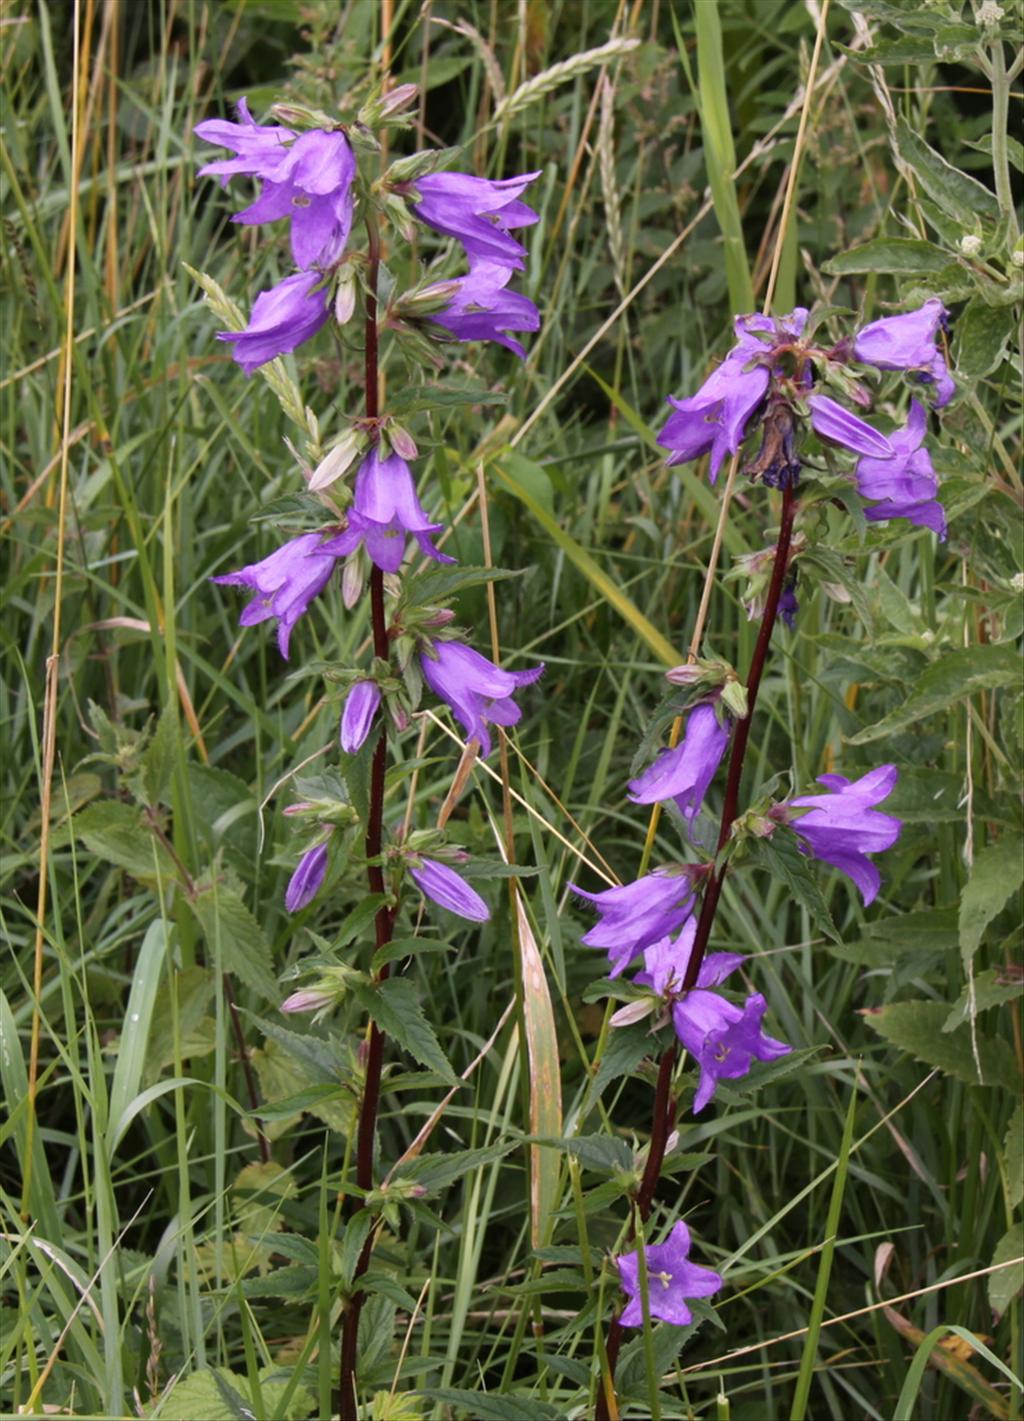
141 1243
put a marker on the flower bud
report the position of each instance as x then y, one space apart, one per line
298 116
970 245
633 1011
734 695
352 579
402 441
345 295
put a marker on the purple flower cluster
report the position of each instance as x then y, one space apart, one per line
769 372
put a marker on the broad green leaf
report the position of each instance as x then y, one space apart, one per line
357 1231
117 832
904 256
962 197
189 1028
955 676
987 990
1013 1147
625 1048
916 1028
437 1171
199 1398
983 335
224 809
605 1153
230 927
996 874
157 762
781 856
931 930
392 1005
1004 1286
595 575
488 1406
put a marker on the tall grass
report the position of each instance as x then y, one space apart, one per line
854 1203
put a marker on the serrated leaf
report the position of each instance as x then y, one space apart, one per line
781 856
963 197
987 990
230 927
668 1341
1013 1147
983 335
393 1006
221 1395
1004 1286
225 811
996 874
427 397
903 256
158 759
117 832
439 584
955 676
916 1028
294 1281
438 1171
357 1231
485 1406
605 1153
623 1052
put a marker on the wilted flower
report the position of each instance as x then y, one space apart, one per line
908 342
444 886
357 715
305 882
482 309
830 421
671 1280
282 318
906 483
683 774
635 915
842 827
478 692
477 211
285 583
384 512
307 179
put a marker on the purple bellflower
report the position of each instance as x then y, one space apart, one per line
636 915
683 774
384 512
908 342
285 583
715 418
480 213
306 881
905 485
357 715
478 692
443 886
671 1280
306 178
282 318
482 309
841 828
830 421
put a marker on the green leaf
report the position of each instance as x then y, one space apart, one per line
392 1005
229 926
996 874
955 676
225 810
360 918
625 1049
983 335
932 930
1013 1148
131 1051
605 1153
357 1231
987 990
781 856
430 397
157 762
916 1028
224 1396
485 1406
962 197
440 584
903 256
118 833
437 1171
1004 1286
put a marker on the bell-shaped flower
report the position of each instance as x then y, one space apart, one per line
261 150
666 961
442 885
721 1037
478 692
715 418
830 421
905 485
357 715
481 308
842 827
684 773
479 212
671 1280
282 318
385 512
306 881
636 915
285 583
909 342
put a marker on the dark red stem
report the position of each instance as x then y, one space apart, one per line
384 921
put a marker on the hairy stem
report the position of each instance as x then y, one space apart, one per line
1000 125
384 921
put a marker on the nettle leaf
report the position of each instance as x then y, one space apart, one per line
625 1049
429 397
393 1006
225 810
220 1395
606 1154
955 676
903 256
996 874
158 759
484 1406
781 856
983 335
1004 1286
962 197
989 989
916 1028
118 833
229 926
437 1171
1013 1148
440 584
631 1373
931 930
